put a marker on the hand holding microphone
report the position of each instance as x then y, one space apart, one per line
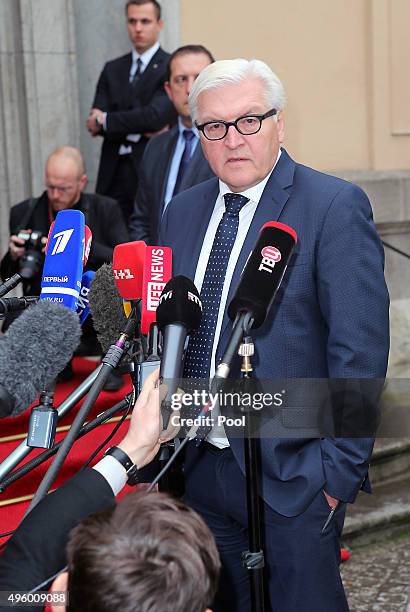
145 434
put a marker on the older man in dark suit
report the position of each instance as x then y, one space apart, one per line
328 320
130 103
172 161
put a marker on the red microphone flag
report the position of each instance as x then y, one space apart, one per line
127 267
157 272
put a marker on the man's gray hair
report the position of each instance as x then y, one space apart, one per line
226 72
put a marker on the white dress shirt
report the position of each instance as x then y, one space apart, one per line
217 435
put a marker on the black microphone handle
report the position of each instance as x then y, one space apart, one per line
15 304
10 284
241 327
174 336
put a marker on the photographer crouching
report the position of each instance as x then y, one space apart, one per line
30 221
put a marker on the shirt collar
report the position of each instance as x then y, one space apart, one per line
182 127
145 57
253 193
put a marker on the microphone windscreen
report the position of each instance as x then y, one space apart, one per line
63 264
127 265
263 272
35 349
157 272
106 307
180 303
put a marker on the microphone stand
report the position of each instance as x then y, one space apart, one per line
21 451
109 362
39 459
253 558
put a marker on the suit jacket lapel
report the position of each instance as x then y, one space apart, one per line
200 221
149 71
270 207
168 155
195 167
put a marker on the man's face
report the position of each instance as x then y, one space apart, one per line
240 161
64 185
143 26
184 70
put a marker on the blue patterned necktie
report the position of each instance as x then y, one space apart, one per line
185 159
199 351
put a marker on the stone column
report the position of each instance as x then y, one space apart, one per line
38 96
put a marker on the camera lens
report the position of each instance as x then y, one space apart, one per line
31 264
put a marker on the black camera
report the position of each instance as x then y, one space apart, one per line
32 261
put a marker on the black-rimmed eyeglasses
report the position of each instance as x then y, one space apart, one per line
246 125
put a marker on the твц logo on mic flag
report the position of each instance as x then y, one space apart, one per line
270 256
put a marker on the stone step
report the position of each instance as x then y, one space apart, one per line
390 461
383 514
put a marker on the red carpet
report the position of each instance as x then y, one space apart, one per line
12 508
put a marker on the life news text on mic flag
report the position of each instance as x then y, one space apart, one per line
63 265
263 272
157 272
127 267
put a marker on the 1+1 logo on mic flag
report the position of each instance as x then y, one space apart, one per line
63 265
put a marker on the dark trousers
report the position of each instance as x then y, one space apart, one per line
124 185
302 564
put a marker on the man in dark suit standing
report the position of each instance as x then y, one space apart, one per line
328 320
172 161
130 103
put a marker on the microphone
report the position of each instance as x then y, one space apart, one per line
106 307
88 238
157 271
179 313
83 308
30 360
258 284
127 266
10 283
16 304
63 265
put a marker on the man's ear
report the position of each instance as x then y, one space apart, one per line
281 127
59 584
168 90
83 180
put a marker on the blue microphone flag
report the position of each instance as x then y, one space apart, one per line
63 265
83 308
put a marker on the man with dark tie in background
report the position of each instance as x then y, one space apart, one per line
130 103
329 320
172 161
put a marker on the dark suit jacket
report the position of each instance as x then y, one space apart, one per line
329 317
145 108
102 215
153 178
38 548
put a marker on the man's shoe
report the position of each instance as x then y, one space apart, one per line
114 381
